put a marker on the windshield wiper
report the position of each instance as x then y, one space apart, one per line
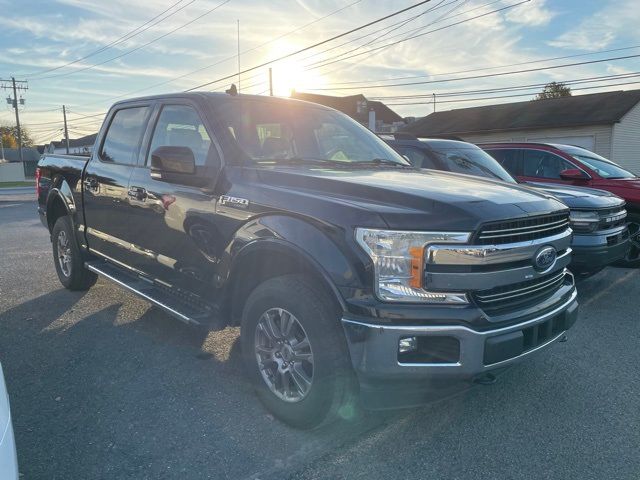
382 161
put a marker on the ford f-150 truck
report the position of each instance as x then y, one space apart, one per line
347 270
598 218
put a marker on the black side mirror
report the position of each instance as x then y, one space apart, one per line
173 159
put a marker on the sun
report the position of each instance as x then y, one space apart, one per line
291 74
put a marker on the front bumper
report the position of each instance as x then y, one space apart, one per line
387 382
595 251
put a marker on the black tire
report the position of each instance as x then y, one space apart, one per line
71 273
331 393
632 260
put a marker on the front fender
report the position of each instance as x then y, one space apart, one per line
326 246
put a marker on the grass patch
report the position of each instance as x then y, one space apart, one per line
16 184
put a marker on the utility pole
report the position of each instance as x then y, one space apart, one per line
22 85
434 103
270 81
238 56
66 132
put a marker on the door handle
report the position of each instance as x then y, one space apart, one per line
138 193
90 183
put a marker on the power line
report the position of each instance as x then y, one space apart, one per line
409 77
128 52
510 96
505 89
127 36
423 34
475 77
290 32
441 18
317 44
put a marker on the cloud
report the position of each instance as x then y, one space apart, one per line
533 14
618 19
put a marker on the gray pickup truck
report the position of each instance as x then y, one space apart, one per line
347 269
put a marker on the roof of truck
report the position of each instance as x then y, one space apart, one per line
213 96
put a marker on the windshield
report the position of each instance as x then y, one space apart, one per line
472 161
603 167
270 132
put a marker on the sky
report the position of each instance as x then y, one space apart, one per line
86 54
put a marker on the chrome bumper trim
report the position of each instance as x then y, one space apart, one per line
494 254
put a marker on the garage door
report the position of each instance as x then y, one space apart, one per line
584 141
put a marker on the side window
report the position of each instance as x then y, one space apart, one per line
123 137
510 159
540 164
418 158
181 126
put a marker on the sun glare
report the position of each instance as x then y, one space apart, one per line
290 74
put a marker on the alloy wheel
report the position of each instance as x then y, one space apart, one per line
64 253
284 355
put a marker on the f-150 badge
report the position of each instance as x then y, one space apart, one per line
233 201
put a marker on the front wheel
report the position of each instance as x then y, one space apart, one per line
295 352
68 258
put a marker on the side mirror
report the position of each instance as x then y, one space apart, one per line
171 159
573 174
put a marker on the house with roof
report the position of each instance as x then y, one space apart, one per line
606 123
77 146
372 114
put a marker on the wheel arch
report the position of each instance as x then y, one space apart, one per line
60 202
274 245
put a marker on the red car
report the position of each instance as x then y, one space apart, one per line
553 163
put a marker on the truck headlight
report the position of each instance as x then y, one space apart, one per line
584 222
398 259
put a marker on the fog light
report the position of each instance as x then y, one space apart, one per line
408 344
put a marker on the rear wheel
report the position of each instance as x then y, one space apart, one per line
295 352
68 258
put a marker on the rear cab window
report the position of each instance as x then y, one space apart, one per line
122 140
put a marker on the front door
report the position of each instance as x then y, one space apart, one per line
175 221
106 181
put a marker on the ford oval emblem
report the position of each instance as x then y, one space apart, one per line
545 258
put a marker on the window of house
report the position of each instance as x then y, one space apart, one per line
122 140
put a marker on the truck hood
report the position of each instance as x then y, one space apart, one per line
579 197
414 199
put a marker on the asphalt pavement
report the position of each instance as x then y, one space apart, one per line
104 386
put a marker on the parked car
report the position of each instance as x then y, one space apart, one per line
8 457
598 218
343 265
569 165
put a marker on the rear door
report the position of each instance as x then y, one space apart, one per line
174 220
106 179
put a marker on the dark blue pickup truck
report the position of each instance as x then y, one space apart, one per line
347 269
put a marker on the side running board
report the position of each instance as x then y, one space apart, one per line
181 306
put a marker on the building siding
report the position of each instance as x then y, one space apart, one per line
626 141
602 136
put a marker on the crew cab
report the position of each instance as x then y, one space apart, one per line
570 165
348 270
598 218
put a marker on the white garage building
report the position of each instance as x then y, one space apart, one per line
606 123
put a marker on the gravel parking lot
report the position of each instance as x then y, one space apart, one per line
104 386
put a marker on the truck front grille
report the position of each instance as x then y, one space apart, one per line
523 229
519 295
612 218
